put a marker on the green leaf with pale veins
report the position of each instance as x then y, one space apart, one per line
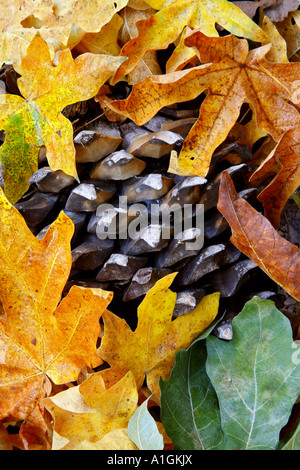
189 405
142 429
254 375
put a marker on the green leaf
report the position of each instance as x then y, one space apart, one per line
255 377
18 157
189 406
143 431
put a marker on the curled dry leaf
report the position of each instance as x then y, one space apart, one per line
103 42
290 31
278 51
104 101
36 119
284 162
150 349
232 75
148 65
41 336
254 235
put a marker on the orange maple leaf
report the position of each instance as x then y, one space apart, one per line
41 337
231 75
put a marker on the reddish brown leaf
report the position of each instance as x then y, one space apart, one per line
284 161
254 235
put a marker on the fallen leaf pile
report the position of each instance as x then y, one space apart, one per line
175 101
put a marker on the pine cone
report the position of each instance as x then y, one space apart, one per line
124 160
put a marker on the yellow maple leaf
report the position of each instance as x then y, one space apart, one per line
150 349
114 440
103 42
41 336
278 52
61 23
19 23
90 15
91 411
36 120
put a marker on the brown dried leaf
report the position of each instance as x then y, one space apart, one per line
254 235
284 161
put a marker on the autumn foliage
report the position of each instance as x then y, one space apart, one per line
72 372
